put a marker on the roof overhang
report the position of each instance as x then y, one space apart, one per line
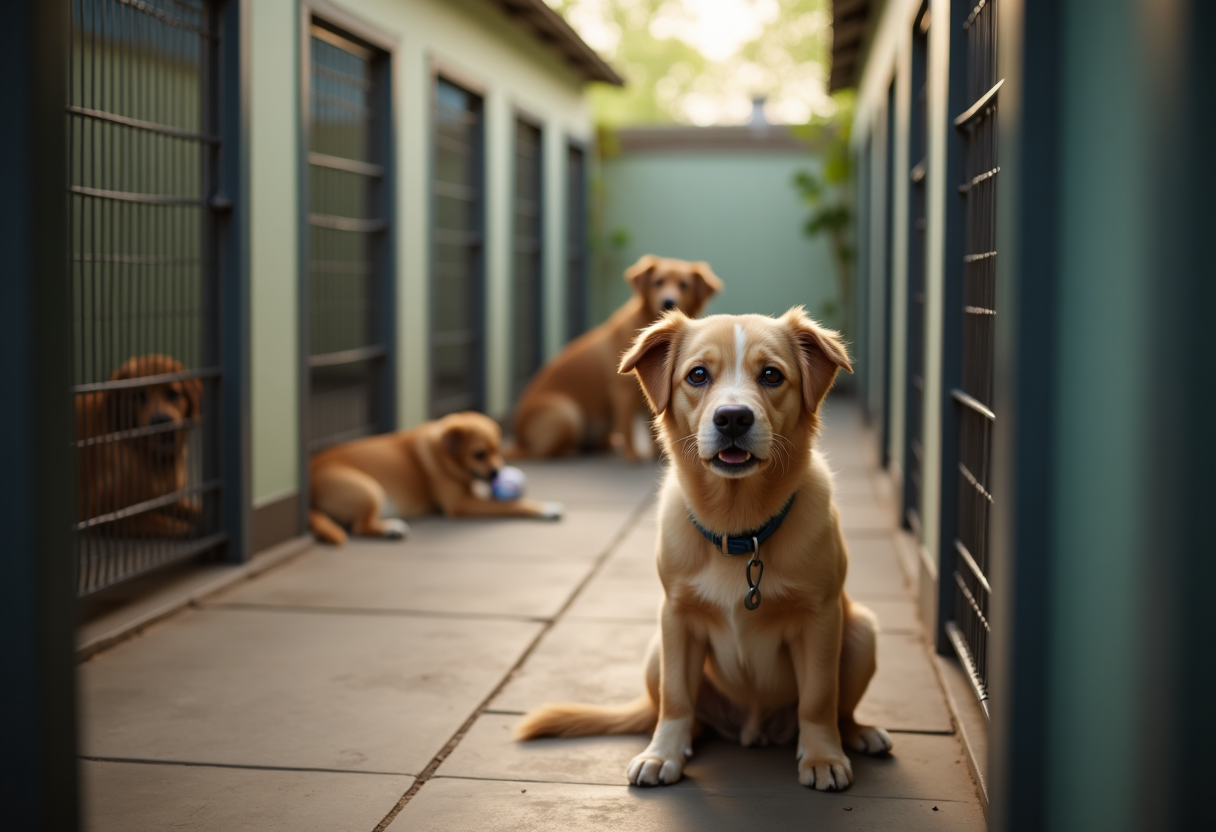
850 19
552 29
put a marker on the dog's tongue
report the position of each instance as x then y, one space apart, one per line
733 456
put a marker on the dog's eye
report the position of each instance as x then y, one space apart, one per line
480 456
698 376
171 394
658 281
683 285
771 377
140 396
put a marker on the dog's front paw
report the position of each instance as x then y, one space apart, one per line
552 511
826 773
653 769
394 529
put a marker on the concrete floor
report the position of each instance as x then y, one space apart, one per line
375 686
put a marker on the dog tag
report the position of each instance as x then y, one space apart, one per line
752 599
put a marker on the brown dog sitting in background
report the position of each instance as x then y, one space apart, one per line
430 468
134 449
578 400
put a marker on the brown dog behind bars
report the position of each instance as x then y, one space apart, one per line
134 450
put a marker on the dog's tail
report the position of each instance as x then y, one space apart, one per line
565 719
325 528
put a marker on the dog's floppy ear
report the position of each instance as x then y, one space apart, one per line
117 406
453 440
651 355
131 368
193 389
821 354
636 274
707 283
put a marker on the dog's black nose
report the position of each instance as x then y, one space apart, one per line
160 418
669 304
734 420
493 474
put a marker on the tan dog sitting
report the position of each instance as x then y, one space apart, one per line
136 448
757 637
578 400
430 468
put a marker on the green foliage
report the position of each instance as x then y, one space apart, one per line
827 193
668 80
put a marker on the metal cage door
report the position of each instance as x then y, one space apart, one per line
143 160
347 288
968 626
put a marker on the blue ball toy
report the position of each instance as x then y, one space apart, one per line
509 484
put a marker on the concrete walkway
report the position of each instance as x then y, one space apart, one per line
374 687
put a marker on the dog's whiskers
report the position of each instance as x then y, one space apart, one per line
689 444
784 446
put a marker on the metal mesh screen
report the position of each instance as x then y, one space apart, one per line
457 235
143 157
969 629
576 242
527 296
884 342
348 344
915 380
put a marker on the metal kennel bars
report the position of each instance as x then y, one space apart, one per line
147 210
576 241
968 627
348 297
458 251
918 146
527 298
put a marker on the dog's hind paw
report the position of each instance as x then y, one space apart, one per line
394 529
868 739
552 511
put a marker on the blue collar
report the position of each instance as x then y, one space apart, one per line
742 544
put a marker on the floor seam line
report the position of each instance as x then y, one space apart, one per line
242 766
429 772
373 612
778 790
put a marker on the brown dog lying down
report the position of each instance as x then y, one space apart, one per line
578 400
135 449
738 401
430 468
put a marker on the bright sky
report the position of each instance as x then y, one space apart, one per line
718 29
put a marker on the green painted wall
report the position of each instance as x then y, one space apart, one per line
736 210
476 44
274 274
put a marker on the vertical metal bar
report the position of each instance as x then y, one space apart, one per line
953 330
40 789
1024 440
386 256
232 289
888 277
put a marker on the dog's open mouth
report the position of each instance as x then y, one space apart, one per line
733 460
